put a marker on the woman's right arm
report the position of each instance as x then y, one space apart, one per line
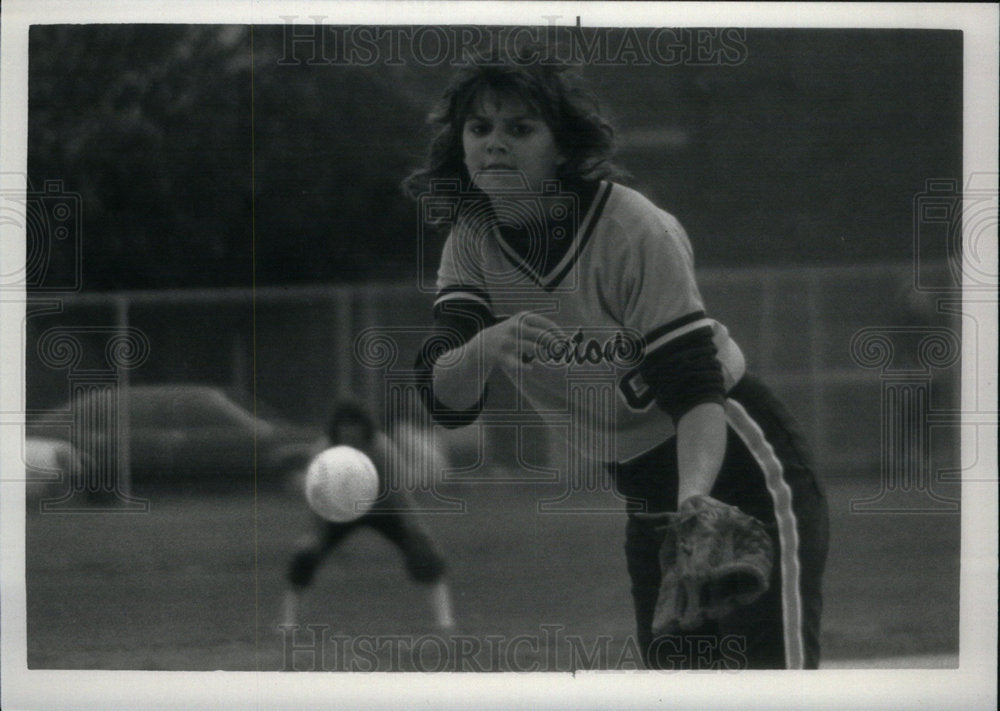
460 373
469 340
459 359
450 370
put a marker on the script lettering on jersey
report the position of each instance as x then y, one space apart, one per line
617 349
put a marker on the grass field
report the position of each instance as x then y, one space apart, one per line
195 584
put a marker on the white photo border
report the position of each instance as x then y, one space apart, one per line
972 685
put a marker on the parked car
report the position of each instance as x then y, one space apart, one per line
48 465
183 435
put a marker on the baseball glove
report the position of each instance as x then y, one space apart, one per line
714 559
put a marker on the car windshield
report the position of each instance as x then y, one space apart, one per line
258 407
169 406
213 409
185 407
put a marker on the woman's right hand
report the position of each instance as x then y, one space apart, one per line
515 342
511 344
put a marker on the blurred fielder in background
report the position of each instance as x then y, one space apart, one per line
392 515
539 227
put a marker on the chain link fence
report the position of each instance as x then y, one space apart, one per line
290 352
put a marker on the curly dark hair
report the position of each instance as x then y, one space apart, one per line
555 91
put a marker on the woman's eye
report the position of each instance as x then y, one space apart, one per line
520 130
477 129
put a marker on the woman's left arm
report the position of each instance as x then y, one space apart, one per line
680 364
701 447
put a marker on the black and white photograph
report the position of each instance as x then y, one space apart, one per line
498 355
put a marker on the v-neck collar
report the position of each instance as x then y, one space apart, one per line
553 275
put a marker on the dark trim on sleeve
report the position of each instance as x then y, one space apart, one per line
663 330
461 317
440 413
456 321
476 291
685 372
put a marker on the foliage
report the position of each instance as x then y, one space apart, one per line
203 158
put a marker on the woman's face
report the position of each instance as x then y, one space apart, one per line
504 137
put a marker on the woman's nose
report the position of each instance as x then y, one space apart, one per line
495 143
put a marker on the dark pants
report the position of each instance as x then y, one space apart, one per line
766 473
392 520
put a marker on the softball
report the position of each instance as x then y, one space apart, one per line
341 484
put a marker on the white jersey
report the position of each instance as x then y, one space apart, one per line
624 289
